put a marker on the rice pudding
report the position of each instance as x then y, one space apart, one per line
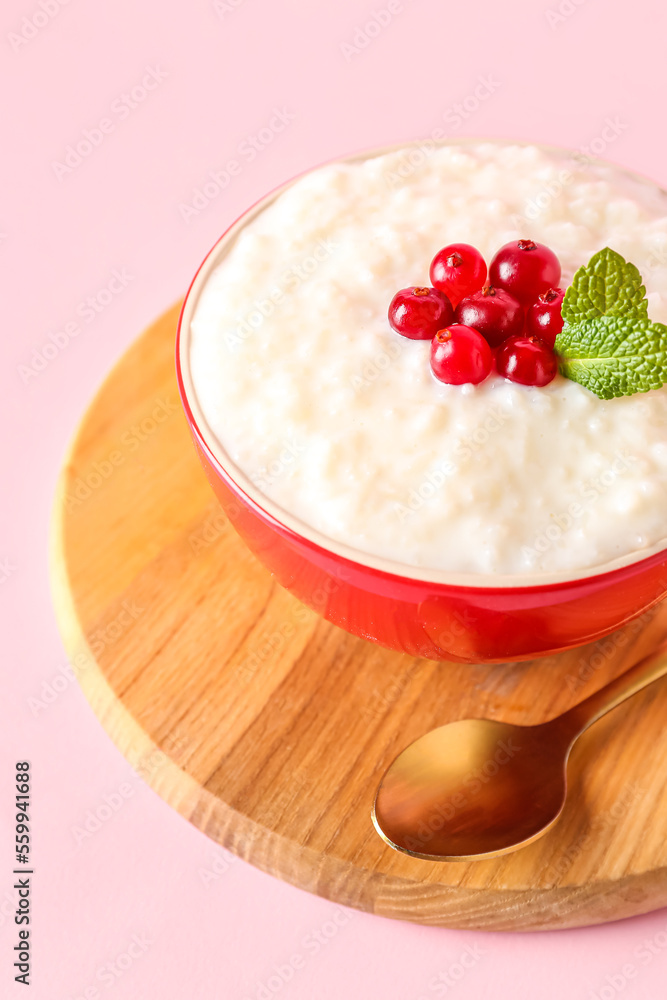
339 420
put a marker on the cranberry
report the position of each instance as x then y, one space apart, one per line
525 269
543 318
418 313
493 312
460 354
458 270
527 360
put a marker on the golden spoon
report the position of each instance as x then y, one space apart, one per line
478 789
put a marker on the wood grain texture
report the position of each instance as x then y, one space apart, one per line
269 728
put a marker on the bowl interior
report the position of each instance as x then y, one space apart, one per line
263 505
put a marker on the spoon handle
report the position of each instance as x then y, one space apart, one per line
639 676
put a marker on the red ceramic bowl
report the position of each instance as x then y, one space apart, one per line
435 614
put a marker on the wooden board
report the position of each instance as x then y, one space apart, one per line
274 727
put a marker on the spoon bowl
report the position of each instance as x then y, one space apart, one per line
473 789
477 788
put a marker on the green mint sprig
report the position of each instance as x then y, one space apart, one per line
608 344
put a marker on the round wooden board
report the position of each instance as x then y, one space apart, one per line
274 726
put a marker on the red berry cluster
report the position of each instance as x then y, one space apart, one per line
510 323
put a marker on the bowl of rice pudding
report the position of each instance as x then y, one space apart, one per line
472 522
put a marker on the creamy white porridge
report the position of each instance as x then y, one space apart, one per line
340 421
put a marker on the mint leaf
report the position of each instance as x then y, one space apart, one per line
608 344
606 286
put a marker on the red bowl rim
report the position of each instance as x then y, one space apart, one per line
298 530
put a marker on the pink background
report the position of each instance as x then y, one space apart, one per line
555 78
